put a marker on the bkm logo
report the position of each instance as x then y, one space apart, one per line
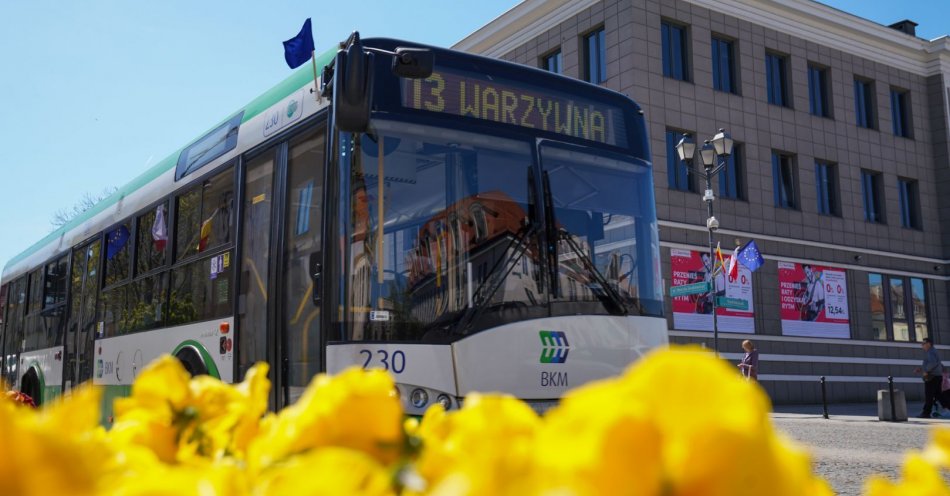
554 346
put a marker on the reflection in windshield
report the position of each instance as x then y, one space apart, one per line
606 244
445 234
454 206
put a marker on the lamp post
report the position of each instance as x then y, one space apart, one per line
713 154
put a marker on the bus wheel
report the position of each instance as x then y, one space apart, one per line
30 386
191 359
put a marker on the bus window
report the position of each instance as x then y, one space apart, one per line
34 329
204 216
201 290
151 237
117 254
55 293
145 302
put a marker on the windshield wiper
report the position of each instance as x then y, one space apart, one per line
606 293
514 250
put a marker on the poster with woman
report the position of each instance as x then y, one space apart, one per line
814 300
693 312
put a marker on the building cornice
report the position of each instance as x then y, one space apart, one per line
804 19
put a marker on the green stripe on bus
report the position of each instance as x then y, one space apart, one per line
283 89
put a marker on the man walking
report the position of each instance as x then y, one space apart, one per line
932 372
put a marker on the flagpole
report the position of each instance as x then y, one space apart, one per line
316 87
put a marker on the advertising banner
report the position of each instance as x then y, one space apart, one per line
692 298
814 300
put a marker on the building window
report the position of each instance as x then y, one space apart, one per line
676 169
873 193
552 62
900 113
864 103
898 308
909 199
818 103
784 181
675 51
826 182
776 78
724 65
595 57
731 184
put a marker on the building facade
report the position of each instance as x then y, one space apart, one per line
840 171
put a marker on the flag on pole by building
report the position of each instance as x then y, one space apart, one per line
750 257
299 49
733 269
719 259
159 229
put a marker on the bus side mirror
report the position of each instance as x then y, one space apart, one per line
413 63
353 88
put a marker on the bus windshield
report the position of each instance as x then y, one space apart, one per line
446 237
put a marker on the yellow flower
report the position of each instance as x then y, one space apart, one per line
356 409
183 419
58 450
222 478
918 478
325 472
487 447
646 420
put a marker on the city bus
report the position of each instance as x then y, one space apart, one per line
465 223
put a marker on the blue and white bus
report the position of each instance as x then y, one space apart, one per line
465 223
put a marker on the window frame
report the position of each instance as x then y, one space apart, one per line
907 283
865 111
673 163
718 41
778 92
828 200
908 194
555 55
734 170
819 96
675 65
791 201
872 194
901 122
600 34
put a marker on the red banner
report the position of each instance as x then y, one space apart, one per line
814 300
735 312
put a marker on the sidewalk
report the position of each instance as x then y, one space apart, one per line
850 411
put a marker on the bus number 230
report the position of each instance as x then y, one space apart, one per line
395 361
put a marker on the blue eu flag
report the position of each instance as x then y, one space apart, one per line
750 257
116 241
299 49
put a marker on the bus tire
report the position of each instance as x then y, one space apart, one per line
30 386
191 359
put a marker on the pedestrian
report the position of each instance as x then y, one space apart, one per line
750 362
931 370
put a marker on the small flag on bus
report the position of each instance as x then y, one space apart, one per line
299 49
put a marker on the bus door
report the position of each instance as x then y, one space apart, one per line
81 332
281 257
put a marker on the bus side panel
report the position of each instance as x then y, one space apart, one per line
48 366
120 359
543 358
425 365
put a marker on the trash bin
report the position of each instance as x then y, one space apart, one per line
884 405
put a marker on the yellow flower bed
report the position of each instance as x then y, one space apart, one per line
347 435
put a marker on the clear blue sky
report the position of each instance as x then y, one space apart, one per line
92 92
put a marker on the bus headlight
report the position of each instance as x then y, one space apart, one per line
419 397
445 401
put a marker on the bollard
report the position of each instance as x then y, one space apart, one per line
824 397
890 388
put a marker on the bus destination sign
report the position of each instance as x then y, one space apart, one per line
522 105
